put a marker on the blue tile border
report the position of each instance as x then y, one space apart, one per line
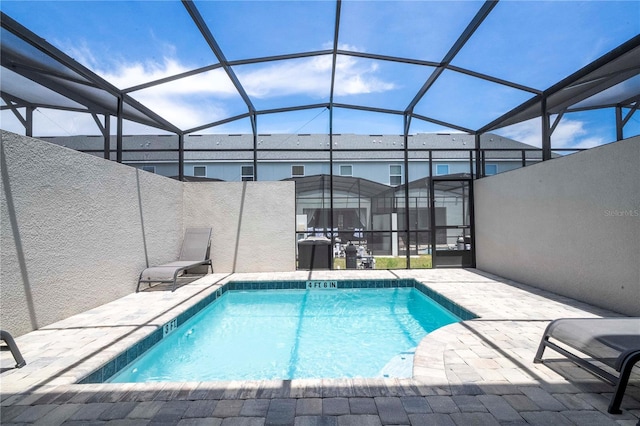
450 305
105 372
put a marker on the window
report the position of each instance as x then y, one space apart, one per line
150 169
200 171
442 169
247 173
346 170
395 175
490 169
297 171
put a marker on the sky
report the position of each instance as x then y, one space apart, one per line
531 43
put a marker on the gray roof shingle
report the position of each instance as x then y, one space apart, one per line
300 147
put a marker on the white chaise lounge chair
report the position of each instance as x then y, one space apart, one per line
196 246
615 342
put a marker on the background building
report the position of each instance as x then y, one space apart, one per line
352 188
378 158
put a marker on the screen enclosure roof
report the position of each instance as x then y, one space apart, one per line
191 66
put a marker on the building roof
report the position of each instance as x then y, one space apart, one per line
303 147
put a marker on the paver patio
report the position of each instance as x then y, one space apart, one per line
478 372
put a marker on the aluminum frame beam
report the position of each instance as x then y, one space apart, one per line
213 45
480 16
47 78
604 60
48 49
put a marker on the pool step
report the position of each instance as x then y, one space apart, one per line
400 366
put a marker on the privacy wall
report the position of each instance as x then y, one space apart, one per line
77 230
253 223
570 225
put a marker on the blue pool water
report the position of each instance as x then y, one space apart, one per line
289 334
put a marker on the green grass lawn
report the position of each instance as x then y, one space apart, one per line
387 262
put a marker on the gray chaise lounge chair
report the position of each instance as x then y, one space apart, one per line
614 342
195 252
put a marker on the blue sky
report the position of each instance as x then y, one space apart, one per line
534 44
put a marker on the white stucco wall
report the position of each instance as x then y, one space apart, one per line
570 225
76 230
253 223
72 230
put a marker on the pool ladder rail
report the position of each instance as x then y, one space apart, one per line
20 362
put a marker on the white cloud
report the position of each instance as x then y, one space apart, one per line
49 122
528 132
203 98
183 112
572 134
120 72
213 82
354 78
312 77
208 97
131 74
186 102
305 76
80 51
309 76
568 134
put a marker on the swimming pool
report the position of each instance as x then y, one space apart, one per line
288 353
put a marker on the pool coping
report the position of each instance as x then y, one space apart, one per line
486 363
108 369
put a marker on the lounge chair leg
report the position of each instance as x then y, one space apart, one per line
17 356
139 279
175 278
543 345
538 358
625 372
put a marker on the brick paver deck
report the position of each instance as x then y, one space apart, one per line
478 372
